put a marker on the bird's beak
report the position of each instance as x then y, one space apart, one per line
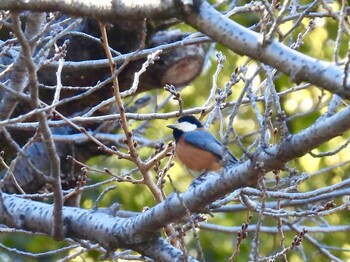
173 126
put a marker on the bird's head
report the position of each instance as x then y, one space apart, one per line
185 124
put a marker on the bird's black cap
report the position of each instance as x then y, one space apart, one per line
191 119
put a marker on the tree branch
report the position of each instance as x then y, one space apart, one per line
112 232
243 41
121 232
103 10
206 19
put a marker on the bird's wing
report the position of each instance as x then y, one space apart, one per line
206 141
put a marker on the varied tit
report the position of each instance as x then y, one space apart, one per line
197 148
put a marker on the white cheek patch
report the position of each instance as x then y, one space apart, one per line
186 126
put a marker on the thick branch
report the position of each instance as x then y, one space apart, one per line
209 21
103 10
243 41
120 232
112 232
244 174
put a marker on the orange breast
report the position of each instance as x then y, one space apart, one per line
197 159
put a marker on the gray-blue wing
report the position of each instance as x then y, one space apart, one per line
206 141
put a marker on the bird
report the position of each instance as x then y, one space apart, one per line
197 149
